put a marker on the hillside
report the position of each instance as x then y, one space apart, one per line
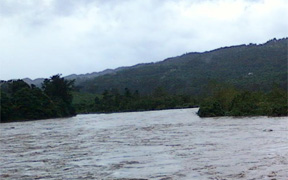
244 80
252 67
79 78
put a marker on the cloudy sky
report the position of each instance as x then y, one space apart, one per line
40 38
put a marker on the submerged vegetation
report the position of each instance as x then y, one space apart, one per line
233 102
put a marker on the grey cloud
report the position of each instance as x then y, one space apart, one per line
81 36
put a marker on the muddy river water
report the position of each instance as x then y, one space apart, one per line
160 145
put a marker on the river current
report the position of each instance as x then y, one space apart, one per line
160 145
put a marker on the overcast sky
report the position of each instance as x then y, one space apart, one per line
40 38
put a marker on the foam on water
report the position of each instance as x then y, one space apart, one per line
170 144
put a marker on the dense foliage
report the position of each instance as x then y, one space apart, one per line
232 102
185 81
20 101
252 70
251 67
115 101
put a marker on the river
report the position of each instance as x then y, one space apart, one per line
160 145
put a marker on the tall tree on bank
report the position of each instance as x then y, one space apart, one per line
21 102
59 90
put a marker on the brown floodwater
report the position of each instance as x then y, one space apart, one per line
160 145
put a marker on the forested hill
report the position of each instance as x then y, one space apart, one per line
251 67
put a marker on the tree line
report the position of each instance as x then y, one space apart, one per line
125 101
234 102
221 100
20 101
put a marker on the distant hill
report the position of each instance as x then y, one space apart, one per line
78 78
253 67
37 82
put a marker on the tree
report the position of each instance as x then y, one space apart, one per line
278 101
32 103
5 108
59 90
211 108
245 104
19 101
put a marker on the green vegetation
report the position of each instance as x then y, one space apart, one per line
115 101
20 102
252 70
247 67
248 72
232 102
224 100
83 102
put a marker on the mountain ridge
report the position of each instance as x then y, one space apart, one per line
78 77
251 66
177 69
